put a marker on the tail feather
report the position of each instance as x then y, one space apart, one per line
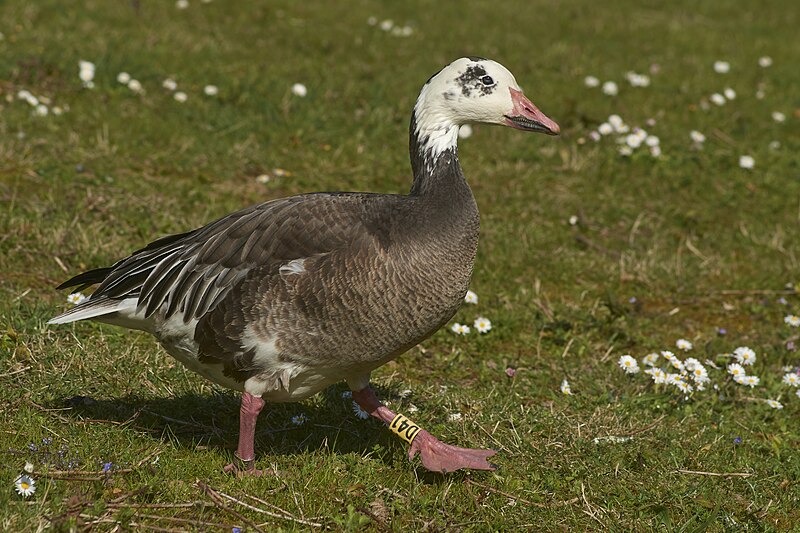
86 279
92 308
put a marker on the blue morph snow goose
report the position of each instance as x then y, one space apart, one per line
284 298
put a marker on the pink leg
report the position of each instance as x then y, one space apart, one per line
436 455
245 453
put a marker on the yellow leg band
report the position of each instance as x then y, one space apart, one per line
404 428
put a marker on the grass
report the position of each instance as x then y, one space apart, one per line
117 170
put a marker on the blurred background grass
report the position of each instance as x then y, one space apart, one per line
118 169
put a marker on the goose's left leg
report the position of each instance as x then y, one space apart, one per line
436 455
245 452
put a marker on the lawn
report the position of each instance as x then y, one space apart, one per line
586 255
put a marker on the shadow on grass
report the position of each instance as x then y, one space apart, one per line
196 422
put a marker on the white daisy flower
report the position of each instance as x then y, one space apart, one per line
677 364
729 93
700 374
650 359
75 298
747 162
674 379
751 381
760 94
775 404
573 220
722 67
745 355
123 78
764 61
684 387
460 329
791 379
633 140
717 99
299 420
86 65
298 89
387 25
180 96
482 324
625 151
591 81
41 110
740 379
359 412
697 137
616 121
211 90
652 141
792 320
25 485
691 363
605 129
465 131
659 376
135 86
610 88
182 4
595 136
628 364
169 84
565 388
57 111
683 344
736 370
777 116
471 298
666 354
454 417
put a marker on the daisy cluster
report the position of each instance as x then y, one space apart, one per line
690 375
628 138
390 27
42 105
481 323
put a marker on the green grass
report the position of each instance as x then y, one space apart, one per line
674 233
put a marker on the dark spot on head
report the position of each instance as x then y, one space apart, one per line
471 81
448 95
477 59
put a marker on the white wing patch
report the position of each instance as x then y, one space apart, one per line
295 266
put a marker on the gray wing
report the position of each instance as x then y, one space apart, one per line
192 272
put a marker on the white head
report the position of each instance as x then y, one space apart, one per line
473 90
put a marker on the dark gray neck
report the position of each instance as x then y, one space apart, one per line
436 172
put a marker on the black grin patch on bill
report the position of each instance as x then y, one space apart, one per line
470 82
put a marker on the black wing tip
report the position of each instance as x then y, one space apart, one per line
86 279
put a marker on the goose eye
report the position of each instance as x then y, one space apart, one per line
487 80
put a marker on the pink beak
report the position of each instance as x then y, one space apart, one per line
526 116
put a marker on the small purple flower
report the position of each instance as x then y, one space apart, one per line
632 300
790 346
236 530
107 467
737 440
722 331
511 372
782 301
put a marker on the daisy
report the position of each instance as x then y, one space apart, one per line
697 137
659 376
722 67
610 88
41 110
747 162
677 364
483 325
691 363
751 381
666 354
211 90
674 379
25 485
465 131
736 370
791 379
700 374
591 81
86 73
775 404
628 364
683 344
633 140
595 136
359 412
650 359
387 24
180 97
764 61
684 387
573 220
135 86
729 93
75 298
625 151
182 4
299 420
123 78
652 141
454 417
717 99
792 320
777 116
460 329
471 298
298 89
169 84
605 128
565 388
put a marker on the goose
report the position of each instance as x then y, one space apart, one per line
284 298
